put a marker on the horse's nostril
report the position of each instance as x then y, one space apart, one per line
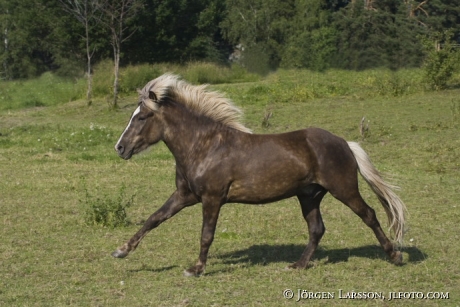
120 149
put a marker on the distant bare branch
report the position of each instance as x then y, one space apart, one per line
87 13
117 14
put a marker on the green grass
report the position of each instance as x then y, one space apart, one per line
134 77
49 256
48 90
285 85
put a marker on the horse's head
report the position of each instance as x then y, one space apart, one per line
143 130
149 124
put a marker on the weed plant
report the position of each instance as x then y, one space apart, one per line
106 211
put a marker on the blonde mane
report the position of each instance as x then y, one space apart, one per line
195 97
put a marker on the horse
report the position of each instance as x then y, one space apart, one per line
219 160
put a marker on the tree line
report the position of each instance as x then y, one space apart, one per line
65 35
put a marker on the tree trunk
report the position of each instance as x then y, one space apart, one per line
116 53
88 73
5 61
89 90
6 73
117 12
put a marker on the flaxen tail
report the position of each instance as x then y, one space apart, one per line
393 205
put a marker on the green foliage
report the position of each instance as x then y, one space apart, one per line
313 50
178 31
319 34
36 37
134 77
380 36
311 41
441 60
437 21
107 211
40 36
261 26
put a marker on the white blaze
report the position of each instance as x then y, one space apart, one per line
129 124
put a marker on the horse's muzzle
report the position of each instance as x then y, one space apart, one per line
121 151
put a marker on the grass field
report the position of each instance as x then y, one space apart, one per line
50 157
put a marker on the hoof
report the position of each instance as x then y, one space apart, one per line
396 257
119 254
187 273
192 272
296 266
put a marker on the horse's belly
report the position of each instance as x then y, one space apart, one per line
258 192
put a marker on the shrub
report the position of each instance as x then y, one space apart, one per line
106 211
397 83
135 77
441 60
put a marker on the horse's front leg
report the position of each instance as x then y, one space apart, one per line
211 211
173 205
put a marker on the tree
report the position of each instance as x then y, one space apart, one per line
178 31
261 27
38 38
5 27
380 34
311 39
86 12
441 15
118 17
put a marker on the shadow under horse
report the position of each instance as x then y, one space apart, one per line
262 254
219 161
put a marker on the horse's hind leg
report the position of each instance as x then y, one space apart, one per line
356 203
312 215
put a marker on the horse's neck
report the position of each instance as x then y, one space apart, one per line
190 137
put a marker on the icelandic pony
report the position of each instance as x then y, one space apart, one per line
219 161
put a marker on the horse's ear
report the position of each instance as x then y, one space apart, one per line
152 101
151 104
153 96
